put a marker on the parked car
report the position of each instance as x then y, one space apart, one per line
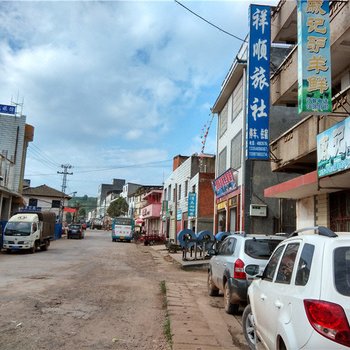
75 231
302 299
239 258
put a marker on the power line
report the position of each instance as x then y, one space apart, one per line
212 24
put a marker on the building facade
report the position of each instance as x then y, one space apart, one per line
321 199
15 136
239 183
188 195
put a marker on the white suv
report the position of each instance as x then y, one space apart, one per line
302 300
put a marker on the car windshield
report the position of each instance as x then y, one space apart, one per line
342 270
75 227
18 229
260 248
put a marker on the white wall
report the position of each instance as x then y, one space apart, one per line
305 210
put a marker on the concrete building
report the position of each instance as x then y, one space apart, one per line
188 195
15 135
128 190
45 198
320 200
103 190
242 206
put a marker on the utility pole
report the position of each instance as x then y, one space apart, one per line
64 186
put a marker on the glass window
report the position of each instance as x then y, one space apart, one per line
179 196
222 161
56 204
285 270
260 248
237 100
186 188
342 270
236 151
223 120
304 265
33 202
272 264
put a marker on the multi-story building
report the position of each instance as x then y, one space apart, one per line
188 195
151 211
239 183
15 135
128 190
322 198
103 190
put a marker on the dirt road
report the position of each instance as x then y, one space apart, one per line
94 294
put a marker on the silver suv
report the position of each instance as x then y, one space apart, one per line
233 267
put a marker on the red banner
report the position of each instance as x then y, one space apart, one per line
70 210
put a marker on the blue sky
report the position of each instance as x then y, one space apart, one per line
117 88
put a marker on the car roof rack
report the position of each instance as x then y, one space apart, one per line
321 230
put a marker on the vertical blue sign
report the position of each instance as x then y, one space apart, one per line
191 204
258 83
314 57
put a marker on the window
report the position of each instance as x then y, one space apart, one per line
228 246
186 188
304 265
223 120
56 204
236 151
260 248
169 193
237 100
194 188
222 161
272 264
174 194
342 270
165 194
179 194
33 202
285 270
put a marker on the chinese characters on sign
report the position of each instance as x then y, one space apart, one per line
7 109
225 183
258 83
333 150
314 65
192 204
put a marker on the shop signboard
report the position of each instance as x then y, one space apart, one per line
225 183
258 83
5 109
333 149
192 204
314 61
179 215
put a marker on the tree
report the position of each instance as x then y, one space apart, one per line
119 207
82 213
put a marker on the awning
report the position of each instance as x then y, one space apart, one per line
309 185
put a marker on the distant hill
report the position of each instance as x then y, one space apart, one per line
88 203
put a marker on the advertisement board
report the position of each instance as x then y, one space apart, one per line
314 62
192 204
258 83
333 149
225 183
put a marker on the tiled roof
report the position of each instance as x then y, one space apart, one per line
43 191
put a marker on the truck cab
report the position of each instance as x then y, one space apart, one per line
29 231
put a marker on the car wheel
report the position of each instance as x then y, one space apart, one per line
212 290
249 327
229 308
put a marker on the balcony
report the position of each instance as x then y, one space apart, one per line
284 82
151 211
295 150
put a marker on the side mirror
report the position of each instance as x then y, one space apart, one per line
252 270
212 252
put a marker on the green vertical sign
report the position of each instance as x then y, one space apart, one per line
314 63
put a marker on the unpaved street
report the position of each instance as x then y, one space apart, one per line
95 294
